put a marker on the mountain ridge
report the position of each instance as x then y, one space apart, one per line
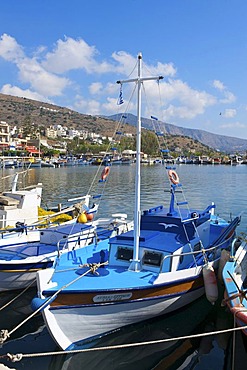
17 111
218 142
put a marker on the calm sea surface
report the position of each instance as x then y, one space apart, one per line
202 184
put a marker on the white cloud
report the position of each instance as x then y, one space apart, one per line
237 125
229 97
111 106
126 62
219 85
9 49
16 91
92 107
43 74
30 71
39 79
70 54
229 113
183 101
95 88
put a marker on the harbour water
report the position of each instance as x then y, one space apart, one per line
202 184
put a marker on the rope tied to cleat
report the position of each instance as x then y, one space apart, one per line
93 267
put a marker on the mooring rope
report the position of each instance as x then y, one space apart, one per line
20 356
19 295
5 334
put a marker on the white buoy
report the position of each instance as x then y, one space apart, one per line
210 283
224 257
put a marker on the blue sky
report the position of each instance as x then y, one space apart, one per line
71 53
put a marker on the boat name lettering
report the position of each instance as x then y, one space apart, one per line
112 297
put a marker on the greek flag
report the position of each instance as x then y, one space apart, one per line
120 99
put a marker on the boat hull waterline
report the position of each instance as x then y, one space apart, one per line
113 309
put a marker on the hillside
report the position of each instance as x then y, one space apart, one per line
18 111
218 142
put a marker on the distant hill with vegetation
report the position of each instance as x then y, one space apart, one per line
221 143
19 112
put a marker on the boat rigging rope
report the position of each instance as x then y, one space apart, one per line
20 356
116 129
19 173
4 334
162 143
19 295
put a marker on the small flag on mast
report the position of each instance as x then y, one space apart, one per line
120 99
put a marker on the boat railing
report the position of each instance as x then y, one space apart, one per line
204 252
19 225
77 240
23 227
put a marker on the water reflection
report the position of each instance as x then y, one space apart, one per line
198 317
224 185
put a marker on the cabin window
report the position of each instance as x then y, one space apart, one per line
197 247
125 254
152 258
181 258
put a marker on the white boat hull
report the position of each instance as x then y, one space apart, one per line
70 326
15 276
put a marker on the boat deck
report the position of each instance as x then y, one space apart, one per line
26 250
114 278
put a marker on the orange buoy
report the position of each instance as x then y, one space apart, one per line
105 173
82 218
89 216
210 283
173 176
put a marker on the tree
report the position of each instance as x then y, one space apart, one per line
149 143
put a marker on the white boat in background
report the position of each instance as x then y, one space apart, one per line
30 242
18 208
47 164
20 262
163 264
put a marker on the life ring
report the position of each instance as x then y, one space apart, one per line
173 176
105 173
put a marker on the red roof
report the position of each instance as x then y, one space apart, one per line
33 151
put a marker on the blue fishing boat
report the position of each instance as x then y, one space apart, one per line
162 265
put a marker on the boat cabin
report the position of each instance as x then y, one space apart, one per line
19 206
166 240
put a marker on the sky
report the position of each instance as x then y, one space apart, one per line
71 53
